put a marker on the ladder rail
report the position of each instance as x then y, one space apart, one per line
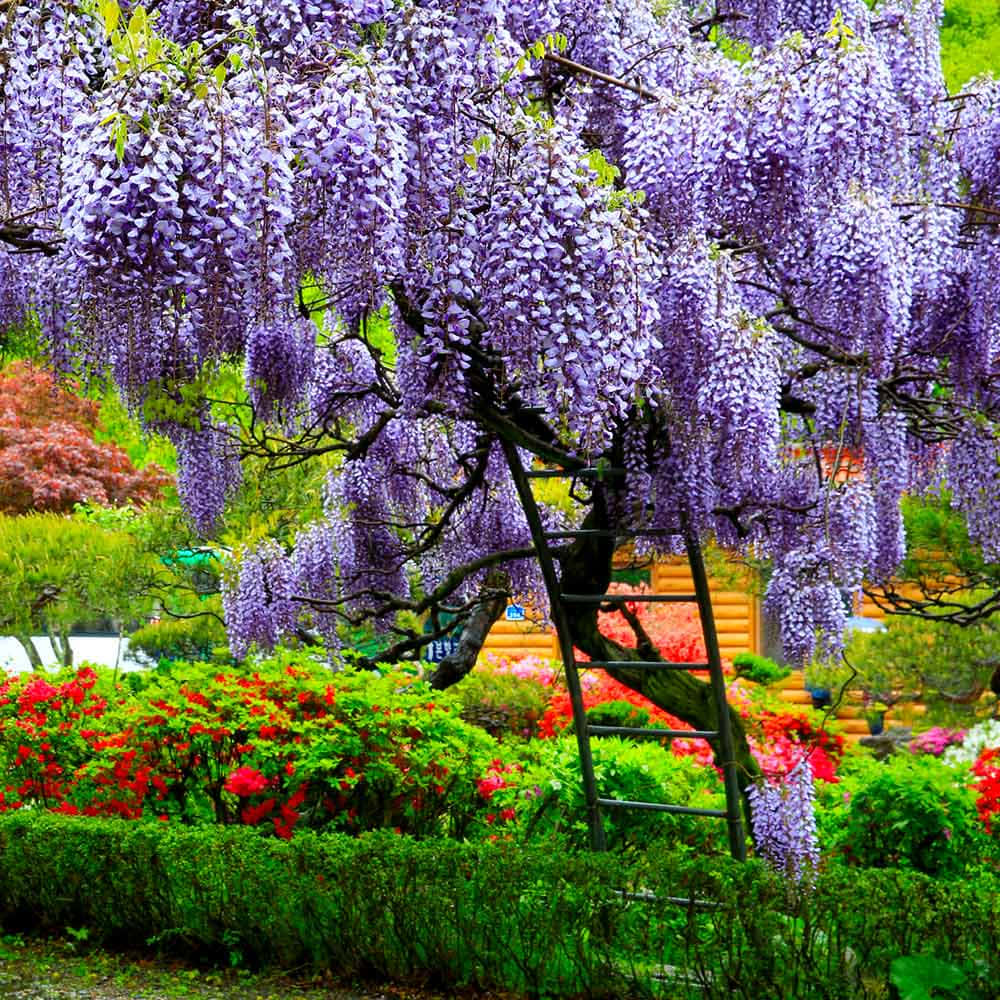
734 811
595 826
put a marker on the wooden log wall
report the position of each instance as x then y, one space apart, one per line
737 618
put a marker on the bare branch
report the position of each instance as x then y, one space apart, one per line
575 67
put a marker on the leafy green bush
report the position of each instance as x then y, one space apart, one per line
952 665
536 921
970 40
502 703
618 713
947 667
550 800
198 638
905 813
759 669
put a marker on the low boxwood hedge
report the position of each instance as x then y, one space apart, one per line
534 921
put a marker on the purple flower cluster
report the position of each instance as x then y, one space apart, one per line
784 823
411 222
258 604
208 470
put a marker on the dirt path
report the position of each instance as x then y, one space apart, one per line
64 969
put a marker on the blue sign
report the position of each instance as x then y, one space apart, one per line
514 613
438 649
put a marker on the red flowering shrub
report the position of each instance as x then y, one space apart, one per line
277 748
674 629
779 740
500 777
598 689
43 727
245 781
987 770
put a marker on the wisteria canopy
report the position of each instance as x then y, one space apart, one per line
723 246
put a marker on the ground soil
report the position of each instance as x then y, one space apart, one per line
68 969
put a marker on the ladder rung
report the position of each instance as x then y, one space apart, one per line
664 807
571 473
625 598
641 665
691 734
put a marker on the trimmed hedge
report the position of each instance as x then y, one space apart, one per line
494 915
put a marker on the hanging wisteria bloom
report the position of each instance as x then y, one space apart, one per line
784 823
721 245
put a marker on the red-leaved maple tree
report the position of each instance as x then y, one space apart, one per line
49 459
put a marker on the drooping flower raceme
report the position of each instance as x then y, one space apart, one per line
423 230
784 824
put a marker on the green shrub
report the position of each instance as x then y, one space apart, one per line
908 813
970 40
759 669
551 799
947 666
502 703
618 713
535 921
199 638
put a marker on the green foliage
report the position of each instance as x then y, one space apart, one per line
116 425
200 637
501 703
938 544
535 921
731 48
946 666
906 812
922 977
21 341
551 802
759 669
970 40
60 570
618 713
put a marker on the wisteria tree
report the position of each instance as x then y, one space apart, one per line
725 246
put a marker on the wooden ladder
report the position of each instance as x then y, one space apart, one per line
721 738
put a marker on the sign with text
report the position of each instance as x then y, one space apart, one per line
438 649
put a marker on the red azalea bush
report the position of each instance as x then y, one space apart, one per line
987 770
288 747
779 736
279 748
779 740
599 689
675 629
